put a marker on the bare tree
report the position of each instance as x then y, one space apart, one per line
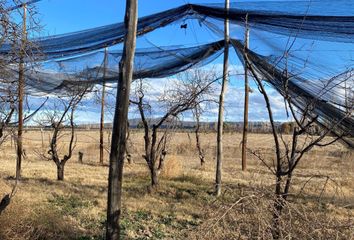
201 152
201 76
23 51
155 147
187 93
11 36
289 152
58 119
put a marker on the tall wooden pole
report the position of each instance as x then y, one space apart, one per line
102 106
219 152
21 86
119 132
346 97
42 137
245 115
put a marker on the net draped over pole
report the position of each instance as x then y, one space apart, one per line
318 37
307 19
21 87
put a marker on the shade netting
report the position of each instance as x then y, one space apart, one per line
307 44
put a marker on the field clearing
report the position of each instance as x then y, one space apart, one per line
183 207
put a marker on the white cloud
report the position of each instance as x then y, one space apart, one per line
234 101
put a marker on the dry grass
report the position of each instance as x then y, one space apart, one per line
183 207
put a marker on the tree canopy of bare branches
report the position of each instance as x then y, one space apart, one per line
58 118
189 92
290 151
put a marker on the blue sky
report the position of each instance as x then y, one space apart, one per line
63 16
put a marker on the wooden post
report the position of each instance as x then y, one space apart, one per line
245 115
21 86
219 150
119 131
42 137
102 106
81 157
346 104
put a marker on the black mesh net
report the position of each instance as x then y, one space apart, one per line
331 99
311 40
60 76
306 19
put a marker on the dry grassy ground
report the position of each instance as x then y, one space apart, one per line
183 207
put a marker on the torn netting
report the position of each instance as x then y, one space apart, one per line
331 99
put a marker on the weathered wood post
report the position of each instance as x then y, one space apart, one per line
219 150
81 157
42 137
21 86
119 131
245 114
102 107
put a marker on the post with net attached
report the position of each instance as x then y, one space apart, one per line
120 120
245 115
219 151
21 86
102 106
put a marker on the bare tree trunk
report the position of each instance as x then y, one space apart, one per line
102 108
279 201
154 176
278 207
197 138
120 123
287 186
245 116
161 161
219 153
60 172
